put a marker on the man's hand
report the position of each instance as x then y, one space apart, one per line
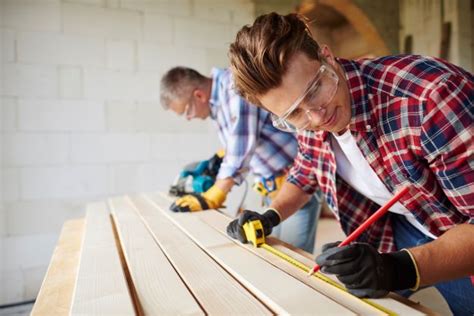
211 199
367 273
269 219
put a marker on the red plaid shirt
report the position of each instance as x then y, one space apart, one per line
412 118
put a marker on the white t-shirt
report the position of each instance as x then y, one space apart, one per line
357 172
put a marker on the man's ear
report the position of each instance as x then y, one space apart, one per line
199 94
328 56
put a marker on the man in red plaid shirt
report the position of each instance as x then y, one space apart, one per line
366 129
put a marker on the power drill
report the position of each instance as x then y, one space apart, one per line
197 177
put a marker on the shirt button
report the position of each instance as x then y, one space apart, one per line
368 126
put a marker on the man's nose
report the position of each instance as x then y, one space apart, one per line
317 115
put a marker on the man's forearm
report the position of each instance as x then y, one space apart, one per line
449 257
290 198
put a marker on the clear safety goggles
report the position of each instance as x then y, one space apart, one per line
190 109
318 93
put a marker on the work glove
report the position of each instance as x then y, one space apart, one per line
211 199
269 219
366 272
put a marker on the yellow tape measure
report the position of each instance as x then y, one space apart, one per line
256 235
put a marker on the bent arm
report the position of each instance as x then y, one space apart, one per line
449 257
290 199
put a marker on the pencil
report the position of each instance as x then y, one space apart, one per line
372 219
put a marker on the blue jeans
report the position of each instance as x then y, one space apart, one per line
459 294
299 229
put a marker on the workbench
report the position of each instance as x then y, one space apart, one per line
131 256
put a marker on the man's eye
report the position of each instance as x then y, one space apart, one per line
313 93
296 112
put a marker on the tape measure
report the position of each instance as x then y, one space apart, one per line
255 234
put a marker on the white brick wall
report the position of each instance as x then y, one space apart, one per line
102 84
26 149
70 82
9 116
8 45
161 57
11 186
80 113
104 148
3 227
101 22
56 48
44 15
50 218
63 182
121 55
30 80
157 28
60 115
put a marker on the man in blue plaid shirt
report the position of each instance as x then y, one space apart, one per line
251 144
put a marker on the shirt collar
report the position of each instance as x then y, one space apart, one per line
214 98
361 109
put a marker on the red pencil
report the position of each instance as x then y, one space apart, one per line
374 217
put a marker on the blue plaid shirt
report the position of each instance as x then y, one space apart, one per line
250 140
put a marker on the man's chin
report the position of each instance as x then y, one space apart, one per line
318 129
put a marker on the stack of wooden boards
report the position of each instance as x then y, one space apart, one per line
131 256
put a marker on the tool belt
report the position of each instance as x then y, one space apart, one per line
269 187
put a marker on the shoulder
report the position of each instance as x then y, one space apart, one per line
310 141
410 76
222 77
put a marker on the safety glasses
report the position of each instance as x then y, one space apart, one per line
317 94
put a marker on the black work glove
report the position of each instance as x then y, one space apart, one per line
269 219
366 272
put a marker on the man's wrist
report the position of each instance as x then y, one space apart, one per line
215 196
273 216
404 269
417 271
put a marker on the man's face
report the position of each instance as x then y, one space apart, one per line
326 105
195 106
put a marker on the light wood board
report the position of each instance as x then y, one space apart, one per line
55 295
220 222
159 288
393 302
281 292
101 288
217 292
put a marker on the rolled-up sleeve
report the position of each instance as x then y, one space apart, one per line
448 141
301 173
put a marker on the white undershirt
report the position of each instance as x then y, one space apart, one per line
358 173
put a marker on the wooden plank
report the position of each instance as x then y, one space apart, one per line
392 302
219 221
159 288
386 302
101 288
213 287
278 290
55 294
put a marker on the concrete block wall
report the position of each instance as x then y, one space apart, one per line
80 111
2 213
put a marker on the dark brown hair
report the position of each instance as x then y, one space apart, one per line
260 54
